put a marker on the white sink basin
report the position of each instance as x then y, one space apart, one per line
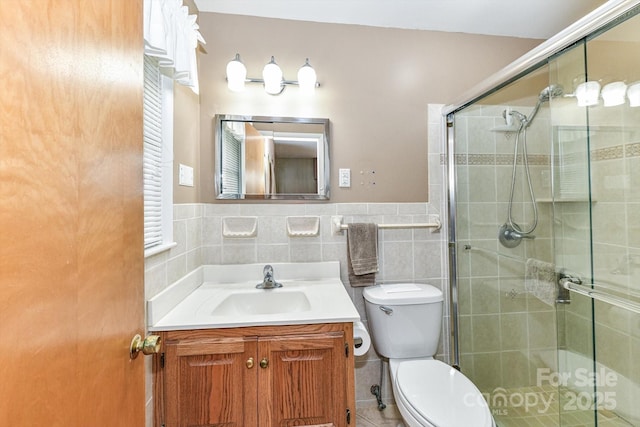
225 296
272 301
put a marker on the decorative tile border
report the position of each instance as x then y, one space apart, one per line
500 159
481 159
600 154
632 150
608 153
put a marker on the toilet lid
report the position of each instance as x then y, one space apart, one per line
441 395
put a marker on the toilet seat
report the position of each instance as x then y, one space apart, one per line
435 394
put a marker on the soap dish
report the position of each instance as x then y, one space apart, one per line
303 226
239 226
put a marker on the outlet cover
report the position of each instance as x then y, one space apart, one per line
185 176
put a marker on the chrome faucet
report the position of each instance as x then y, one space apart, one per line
268 282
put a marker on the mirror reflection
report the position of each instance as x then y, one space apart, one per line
272 157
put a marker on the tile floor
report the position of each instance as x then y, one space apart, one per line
370 416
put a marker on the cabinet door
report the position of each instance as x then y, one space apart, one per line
304 383
210 382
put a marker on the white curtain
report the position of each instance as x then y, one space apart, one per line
172 35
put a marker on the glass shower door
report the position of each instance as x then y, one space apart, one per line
507 336
597 235
538 361
571 199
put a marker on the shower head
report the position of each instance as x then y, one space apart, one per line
551 91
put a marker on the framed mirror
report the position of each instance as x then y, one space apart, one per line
260 157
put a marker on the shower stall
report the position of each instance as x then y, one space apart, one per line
544 229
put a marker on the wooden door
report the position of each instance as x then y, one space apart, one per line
71 212
305 382
210 382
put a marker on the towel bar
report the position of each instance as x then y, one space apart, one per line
338 227
596 294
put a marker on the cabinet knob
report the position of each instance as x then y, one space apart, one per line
250 362
264 363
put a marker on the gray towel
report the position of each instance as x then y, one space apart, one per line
362 253
540 280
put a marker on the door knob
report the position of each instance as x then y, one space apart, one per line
250 362
148 345
264 363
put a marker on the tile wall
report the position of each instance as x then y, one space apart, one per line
505 332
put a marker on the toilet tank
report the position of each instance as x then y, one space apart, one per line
404 319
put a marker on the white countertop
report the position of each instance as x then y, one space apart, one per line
311 293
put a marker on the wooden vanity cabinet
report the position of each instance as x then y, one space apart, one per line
266 376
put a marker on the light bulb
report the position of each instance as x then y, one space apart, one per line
272 76
307 78
588 93
613 94
633 93
236 74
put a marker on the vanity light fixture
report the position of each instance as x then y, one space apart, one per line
272 77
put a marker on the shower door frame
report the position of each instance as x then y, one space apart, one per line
588 25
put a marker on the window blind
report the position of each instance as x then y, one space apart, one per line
152 153
231 152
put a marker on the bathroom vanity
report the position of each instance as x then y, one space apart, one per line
239 356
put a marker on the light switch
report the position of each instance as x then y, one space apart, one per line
344 179
185 175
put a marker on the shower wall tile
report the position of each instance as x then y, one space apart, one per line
542 331
515 369
483 220
633 225
483 140
609 223
513 331
487 374
482 184
513 297
486 333
485 295
464 296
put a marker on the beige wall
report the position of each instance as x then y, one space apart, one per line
186 134
376 84
186 141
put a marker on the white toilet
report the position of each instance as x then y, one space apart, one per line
404 323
